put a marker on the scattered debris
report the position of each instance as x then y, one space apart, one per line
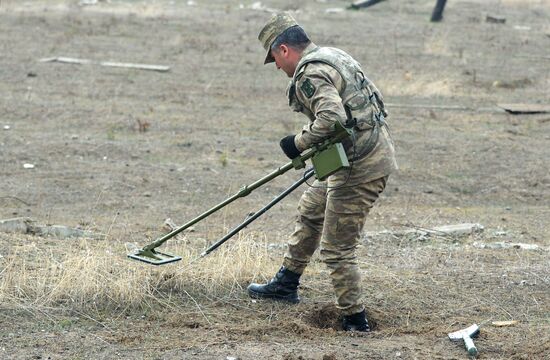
504 323
61 232
25 225
503 245
6 127
430 106
364 4
512 84
459 229
15 225
525 108
421 233
495 19
260 7
466 335
28 166
67 60
93 2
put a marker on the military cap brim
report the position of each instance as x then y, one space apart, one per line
274 27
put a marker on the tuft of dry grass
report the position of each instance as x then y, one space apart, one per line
97 274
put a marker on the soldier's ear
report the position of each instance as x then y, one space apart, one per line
283 50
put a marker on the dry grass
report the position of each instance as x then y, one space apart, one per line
92 274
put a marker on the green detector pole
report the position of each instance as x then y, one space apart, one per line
150 255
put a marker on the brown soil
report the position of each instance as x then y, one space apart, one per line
214 122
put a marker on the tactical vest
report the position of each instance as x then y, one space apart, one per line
360 97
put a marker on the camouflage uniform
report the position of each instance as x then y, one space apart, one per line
329 86
332 213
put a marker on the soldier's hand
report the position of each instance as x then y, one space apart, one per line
289 147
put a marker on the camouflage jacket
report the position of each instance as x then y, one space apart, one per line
317 90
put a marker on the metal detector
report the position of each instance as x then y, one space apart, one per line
327 158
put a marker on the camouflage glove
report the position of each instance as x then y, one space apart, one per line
289 147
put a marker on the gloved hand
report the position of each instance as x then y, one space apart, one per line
288 146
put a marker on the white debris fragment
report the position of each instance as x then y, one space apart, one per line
191 3
504 323
88 2
256 5
6 127
445 230
334 10
15 225
459 229
26 225
503 245
522 28
28 166
260 7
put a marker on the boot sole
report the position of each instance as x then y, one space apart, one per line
289 298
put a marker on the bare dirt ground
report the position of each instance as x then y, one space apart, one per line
214 122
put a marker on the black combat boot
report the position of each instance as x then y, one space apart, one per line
356 322
284 286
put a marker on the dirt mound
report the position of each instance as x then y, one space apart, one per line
329 317
324 317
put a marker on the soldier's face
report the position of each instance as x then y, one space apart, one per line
285 59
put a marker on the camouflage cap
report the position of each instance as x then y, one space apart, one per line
274 27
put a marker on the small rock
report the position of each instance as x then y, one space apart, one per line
6 127
74 137
334 10
28 166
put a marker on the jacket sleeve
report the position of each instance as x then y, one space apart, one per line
317 90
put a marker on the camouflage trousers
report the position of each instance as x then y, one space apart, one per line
334 219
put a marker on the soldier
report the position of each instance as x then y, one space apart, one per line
328 85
